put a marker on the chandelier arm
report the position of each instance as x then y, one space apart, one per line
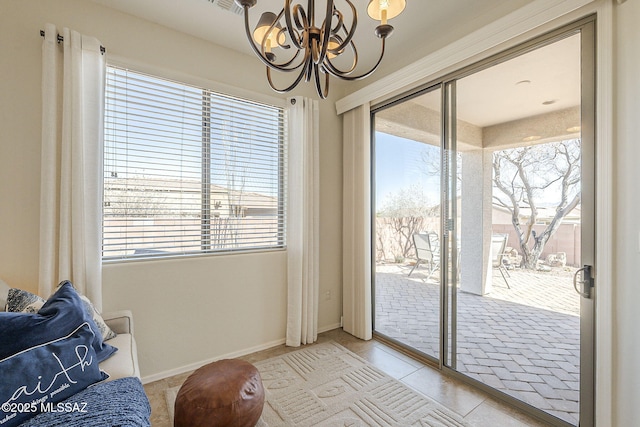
308 63
280 67
354 63
352 30
344 76
294 84
251 42
285 66
315 53
322 93
281 31
311 11
340 22
263 44
287 18
325 32
300 17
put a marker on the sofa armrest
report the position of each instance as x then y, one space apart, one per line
121 322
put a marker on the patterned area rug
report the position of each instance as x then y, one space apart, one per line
327 385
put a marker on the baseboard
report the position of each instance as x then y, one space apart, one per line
193 366
329 328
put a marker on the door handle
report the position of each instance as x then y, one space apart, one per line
583 287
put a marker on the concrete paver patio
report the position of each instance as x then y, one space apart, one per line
524 341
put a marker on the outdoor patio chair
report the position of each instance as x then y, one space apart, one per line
427 252
498 245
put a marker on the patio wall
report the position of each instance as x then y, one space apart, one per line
393 236
565 239
391 243
181 235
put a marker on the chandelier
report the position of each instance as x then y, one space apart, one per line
316 48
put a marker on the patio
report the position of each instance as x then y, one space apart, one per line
524 341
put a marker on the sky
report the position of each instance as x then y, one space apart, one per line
399 164
154 129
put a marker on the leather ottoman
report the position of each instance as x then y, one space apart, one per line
224 393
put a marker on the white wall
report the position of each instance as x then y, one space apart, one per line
197 308
626 284
185 310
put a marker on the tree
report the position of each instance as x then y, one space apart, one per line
525 177
137 197
405 211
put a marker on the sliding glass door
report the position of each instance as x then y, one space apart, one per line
484 224
408 222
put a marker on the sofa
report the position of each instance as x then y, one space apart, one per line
116 400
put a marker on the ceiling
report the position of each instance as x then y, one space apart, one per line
542 81
424 25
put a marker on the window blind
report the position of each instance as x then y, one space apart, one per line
187 170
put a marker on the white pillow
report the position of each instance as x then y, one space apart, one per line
20 301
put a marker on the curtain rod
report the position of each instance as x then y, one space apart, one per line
61 39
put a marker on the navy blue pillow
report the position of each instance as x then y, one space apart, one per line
39 376
59 316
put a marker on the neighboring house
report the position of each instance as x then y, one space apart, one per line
233 211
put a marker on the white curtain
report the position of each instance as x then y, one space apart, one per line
356 262
73 75
302 221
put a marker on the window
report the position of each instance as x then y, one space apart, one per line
187 170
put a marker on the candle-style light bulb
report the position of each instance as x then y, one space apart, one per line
383 10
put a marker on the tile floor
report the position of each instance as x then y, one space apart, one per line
478 408
524 341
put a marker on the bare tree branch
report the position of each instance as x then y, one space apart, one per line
534 172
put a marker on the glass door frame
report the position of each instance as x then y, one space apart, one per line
425 357
447 360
